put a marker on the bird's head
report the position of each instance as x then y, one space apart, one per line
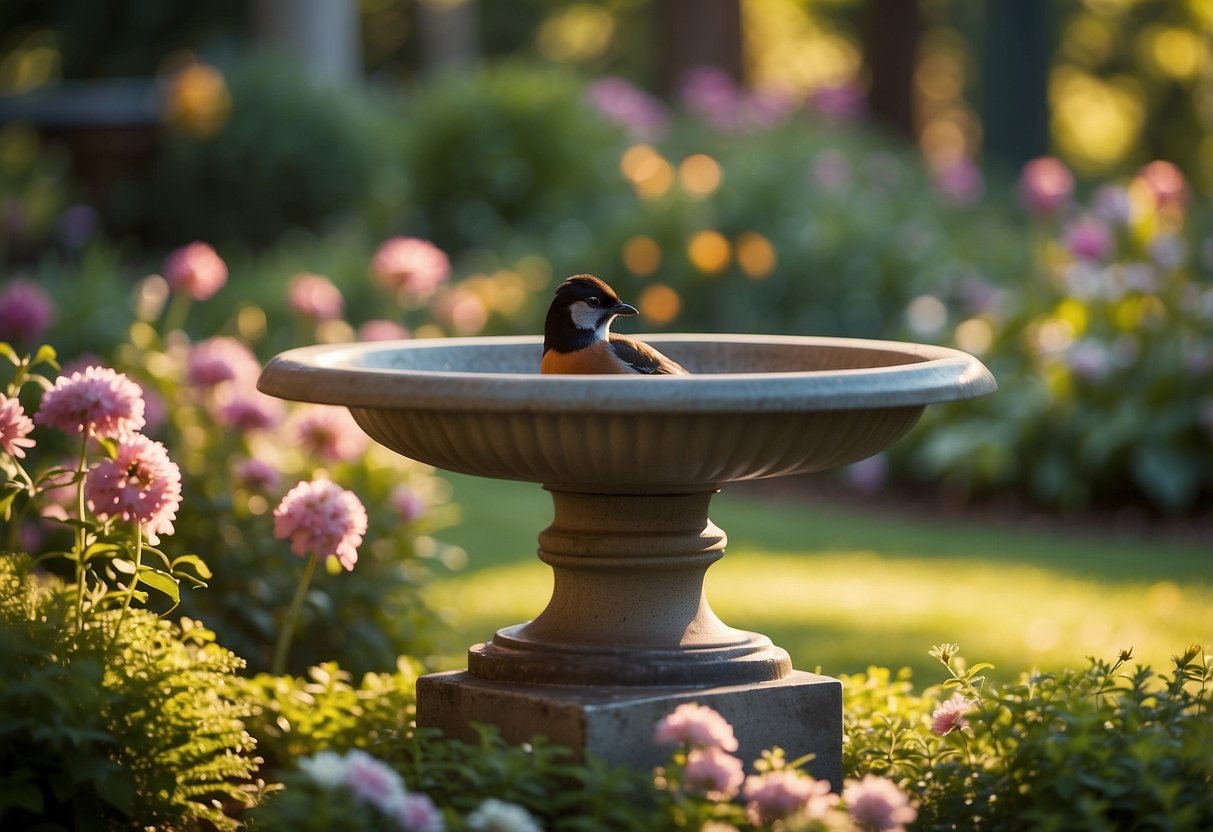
587 305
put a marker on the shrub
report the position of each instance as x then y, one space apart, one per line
108 726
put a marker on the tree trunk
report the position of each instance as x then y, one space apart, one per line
699 33
894 29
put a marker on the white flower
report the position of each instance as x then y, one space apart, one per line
326 768
498 816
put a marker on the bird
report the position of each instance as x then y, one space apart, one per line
577 335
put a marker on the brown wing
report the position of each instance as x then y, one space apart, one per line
642 358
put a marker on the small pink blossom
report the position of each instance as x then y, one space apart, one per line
407 502
15 427
409 266
1090 239
106 403
1167 183
195 270
26 312
844 102
960 182
877 803
219 359
246 410
1045 185
315 296
140 484
620 102
255 475
779 794
695 726
713 773
330 433
380 330
951 715
417 813
373 781
322 518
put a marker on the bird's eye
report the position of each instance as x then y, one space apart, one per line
593 302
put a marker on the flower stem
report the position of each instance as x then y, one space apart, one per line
130 590
81 539
278 665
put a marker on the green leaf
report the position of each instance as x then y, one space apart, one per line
199 565
161 581
980 666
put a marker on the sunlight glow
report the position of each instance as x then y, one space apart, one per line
709 251
642 255
659 303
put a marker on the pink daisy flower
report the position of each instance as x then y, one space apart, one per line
26 312
15 427
373 781
410 266
877 803
695 726
248 410
255 475
196 270
408 503
951 715
315 296
98 399
713 773
784 792
322 518
380 330
219 359
330 433
1045 185
140 484
417 813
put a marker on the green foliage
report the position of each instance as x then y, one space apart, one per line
1103 747
106 727
292 154
506 152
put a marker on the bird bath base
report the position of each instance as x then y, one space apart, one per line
801 713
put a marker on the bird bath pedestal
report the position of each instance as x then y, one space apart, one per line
631 463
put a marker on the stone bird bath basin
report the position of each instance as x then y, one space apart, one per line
631 463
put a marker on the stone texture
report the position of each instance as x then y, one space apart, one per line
801 714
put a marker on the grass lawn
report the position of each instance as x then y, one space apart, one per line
844 587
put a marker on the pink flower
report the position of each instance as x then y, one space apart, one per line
106 403
951 715
195 270
407 502
779 794
373 781
1090 239
1045 185
845 101
247 410
315 296
255 475
960 182
695 726
713 773
216 360
26 312
140 484
640 114
406 265
330 433
379 330
417 813
877 803
1167 183
322 518
15 427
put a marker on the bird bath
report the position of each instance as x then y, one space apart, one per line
631 463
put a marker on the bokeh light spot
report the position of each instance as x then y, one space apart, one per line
709 251
755 254
974 335
700 175
641 255
659 303
926 315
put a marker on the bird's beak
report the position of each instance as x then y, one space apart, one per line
625 309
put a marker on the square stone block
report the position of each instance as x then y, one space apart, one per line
801 714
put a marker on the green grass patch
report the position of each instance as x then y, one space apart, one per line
842 588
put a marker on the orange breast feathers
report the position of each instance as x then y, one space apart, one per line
597 358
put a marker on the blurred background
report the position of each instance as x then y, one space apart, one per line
840 167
